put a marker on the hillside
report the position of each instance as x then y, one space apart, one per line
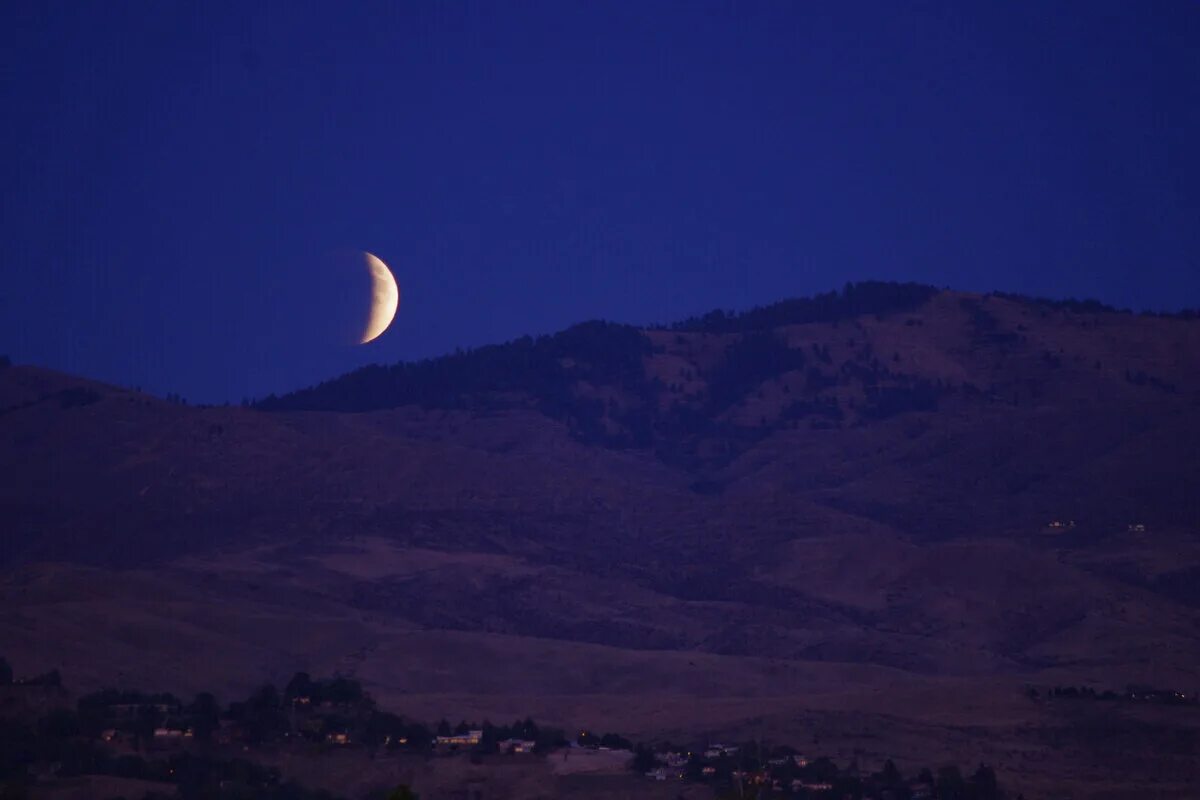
830 515
1012 410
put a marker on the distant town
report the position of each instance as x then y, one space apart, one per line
207 750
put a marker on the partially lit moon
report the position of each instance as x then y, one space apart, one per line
385 298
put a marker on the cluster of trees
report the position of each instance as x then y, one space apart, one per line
51 679
59 738
855 299
306 708
985 328
543 367
541 372
1142 694
749 361
331 705
141 713
1089 306
69 739
551 373
544 372
313 709
757 768
1085 306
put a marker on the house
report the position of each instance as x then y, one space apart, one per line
1137 527
110 735
517 746
168 734
675 759
659 774
468 739
708 772
800 760
337 737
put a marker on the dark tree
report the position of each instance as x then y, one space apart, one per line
984 785
205 715
890 776
300 685
6 673
950 784
643 759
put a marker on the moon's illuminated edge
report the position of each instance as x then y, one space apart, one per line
385 298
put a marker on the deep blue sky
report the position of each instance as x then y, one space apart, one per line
172 172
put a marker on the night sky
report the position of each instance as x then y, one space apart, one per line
175 174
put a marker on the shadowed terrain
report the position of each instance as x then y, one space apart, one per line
826 520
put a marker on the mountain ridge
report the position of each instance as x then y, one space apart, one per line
951 501
854 299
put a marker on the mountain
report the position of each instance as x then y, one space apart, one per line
1012 410
830 517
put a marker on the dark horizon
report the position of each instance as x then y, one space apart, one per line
655 325
175 175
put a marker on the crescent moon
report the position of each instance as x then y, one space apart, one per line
385 298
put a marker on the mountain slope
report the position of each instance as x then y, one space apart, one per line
744 510
1016 408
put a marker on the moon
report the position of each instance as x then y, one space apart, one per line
385 298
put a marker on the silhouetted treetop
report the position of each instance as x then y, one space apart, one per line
541 367
855 299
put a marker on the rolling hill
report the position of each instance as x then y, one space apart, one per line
828 517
